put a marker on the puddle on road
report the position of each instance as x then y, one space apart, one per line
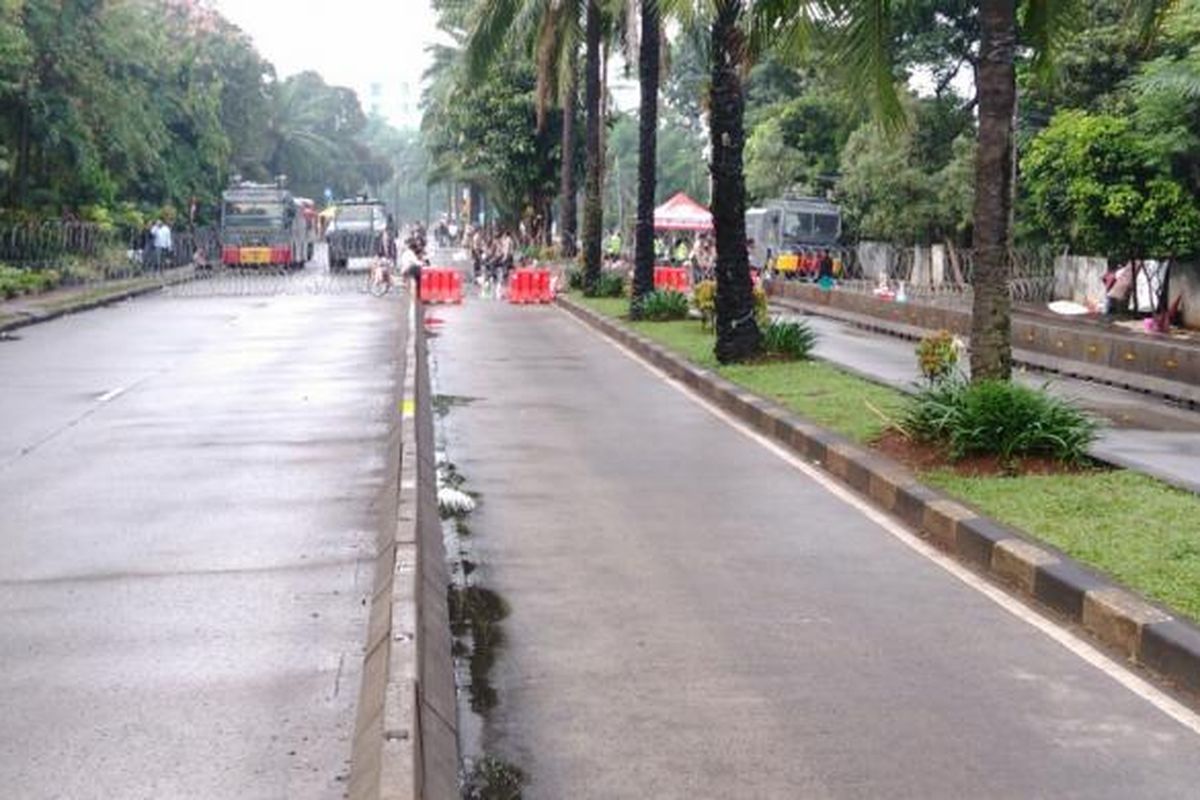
493 779
476 616
444 403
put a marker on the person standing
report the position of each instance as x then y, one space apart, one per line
507 251
161 234
825 271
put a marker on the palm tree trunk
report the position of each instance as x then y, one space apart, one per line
567 222
991 323
648 76
738 337
593 210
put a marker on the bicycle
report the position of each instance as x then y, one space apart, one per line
380 279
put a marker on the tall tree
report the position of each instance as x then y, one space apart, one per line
648 75
738 336
593 209
991 312
568 218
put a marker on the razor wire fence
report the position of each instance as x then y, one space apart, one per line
40 257
940 275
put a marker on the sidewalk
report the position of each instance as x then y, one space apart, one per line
694 616
1142 433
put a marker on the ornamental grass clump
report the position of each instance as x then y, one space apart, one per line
608 284
663 306
999 418
792 340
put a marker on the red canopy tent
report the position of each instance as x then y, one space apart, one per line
682 213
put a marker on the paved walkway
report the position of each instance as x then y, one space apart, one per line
695 617
1142 433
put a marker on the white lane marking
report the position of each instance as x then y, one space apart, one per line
1084 650
112 395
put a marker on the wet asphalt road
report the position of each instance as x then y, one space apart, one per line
692 618
191 493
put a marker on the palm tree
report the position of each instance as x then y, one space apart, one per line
593 208
555 27
648 79
996 88
738 336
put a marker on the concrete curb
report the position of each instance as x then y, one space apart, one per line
406 738
89 305
1123 621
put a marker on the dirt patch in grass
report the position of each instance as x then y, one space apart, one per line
926 456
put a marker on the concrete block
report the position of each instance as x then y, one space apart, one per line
940 521
911 500
977 537
1064 585
883 483
1172 648
1017 561
1117 617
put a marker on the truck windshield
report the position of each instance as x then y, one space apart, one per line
798 225
256 213
357 216
826 226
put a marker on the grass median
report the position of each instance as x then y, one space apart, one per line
1140 531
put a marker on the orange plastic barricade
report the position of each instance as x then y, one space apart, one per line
674 279
440 285
530 286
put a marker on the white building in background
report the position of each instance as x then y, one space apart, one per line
398 100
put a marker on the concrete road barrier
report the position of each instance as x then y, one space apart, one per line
406 738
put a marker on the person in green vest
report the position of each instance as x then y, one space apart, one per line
682 251
613 247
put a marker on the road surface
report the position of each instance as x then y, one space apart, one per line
692 616
192 489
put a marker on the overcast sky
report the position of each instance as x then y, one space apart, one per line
350 42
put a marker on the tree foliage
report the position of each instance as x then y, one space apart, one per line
159 103
1096 185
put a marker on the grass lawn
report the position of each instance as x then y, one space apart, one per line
1142 532
821 392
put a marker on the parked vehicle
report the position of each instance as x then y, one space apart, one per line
789 234
358 229
262 226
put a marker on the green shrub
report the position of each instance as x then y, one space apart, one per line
999 418
705 298
762 314
15 282
662 306
609 284
937 355
575 280
793 340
